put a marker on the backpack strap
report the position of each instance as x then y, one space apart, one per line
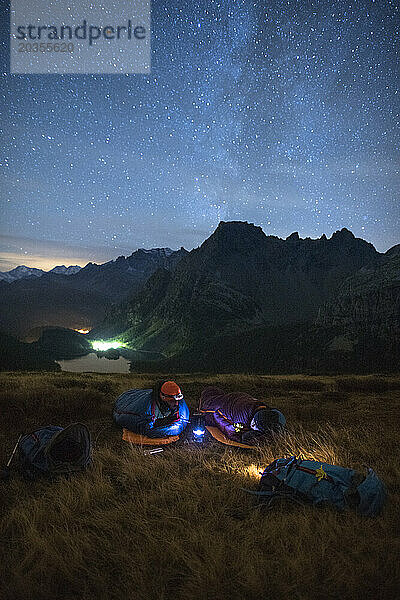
272 495
319 473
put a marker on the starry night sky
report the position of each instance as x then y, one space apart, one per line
284 114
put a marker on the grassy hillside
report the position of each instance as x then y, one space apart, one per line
18 356
301 348
177 525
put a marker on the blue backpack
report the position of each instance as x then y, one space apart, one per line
54 450
312 482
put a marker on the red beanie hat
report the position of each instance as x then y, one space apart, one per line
170 389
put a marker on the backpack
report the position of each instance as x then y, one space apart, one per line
54 450
313 482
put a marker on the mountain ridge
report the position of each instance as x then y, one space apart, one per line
240 278
24 272
78 300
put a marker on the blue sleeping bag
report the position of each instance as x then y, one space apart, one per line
137 410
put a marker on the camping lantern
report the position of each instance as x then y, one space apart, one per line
198 428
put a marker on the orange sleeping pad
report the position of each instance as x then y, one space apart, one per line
142 440
218 435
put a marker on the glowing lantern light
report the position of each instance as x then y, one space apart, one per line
199 429
198 432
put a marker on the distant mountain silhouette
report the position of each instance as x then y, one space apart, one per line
63 270
239 279
356 330
79 299
241 301
23 272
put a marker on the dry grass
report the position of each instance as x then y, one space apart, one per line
177 524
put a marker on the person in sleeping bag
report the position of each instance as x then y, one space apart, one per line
240 417
157 412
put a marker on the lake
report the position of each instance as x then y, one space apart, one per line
91 362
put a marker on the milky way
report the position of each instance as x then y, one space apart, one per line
285 114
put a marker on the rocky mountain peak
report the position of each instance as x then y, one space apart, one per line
63 270
238 227
235 235
343 234
293 237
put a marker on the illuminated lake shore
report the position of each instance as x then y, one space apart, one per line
92 363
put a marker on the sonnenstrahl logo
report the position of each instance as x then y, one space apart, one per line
80 37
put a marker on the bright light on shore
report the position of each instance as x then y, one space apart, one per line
100 345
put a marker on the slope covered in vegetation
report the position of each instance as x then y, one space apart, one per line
177 524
